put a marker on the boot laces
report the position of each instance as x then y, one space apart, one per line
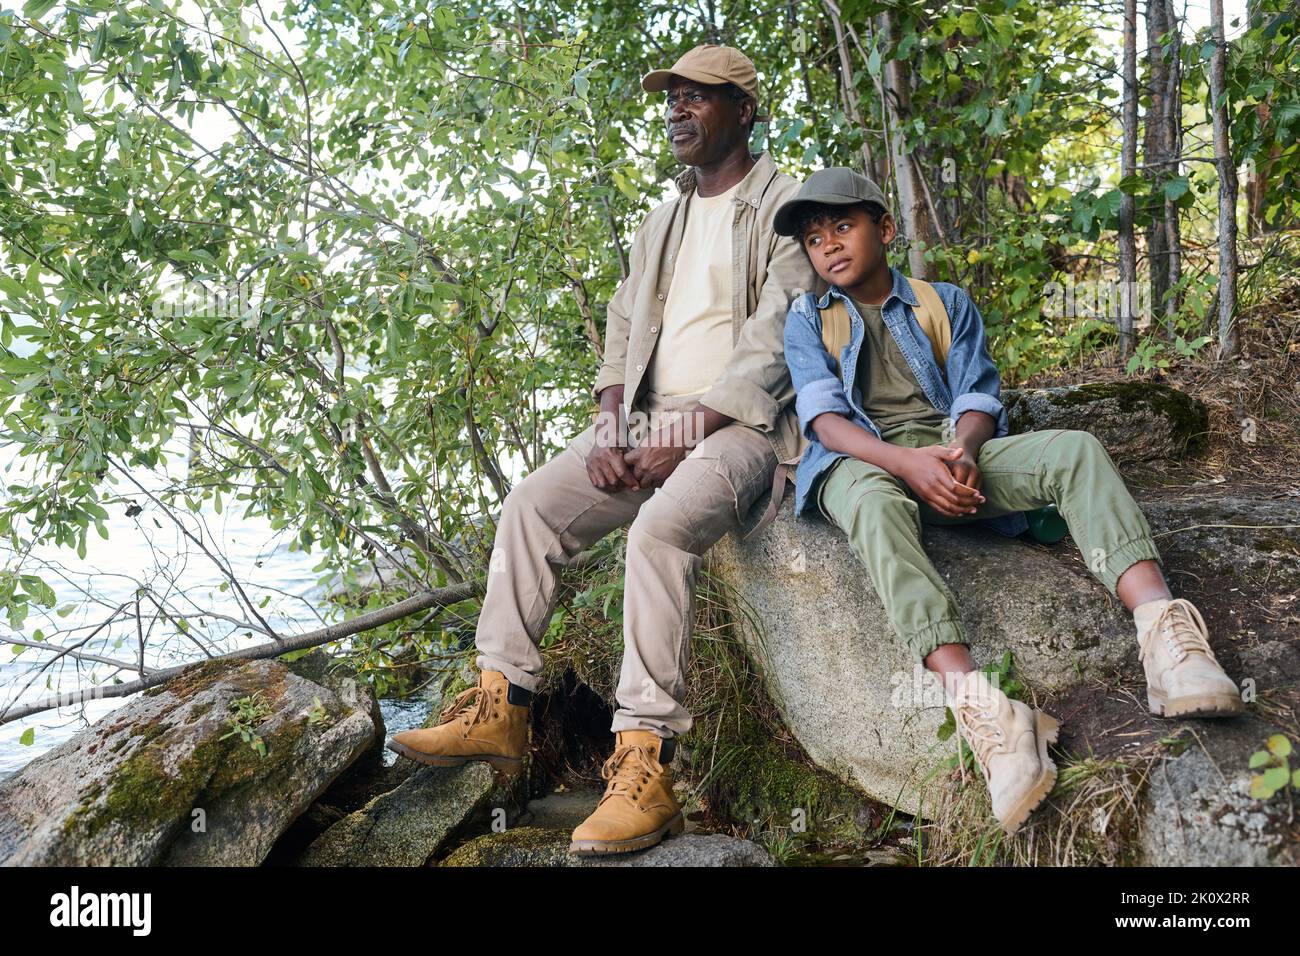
978 723
469 713
1183 630
628 769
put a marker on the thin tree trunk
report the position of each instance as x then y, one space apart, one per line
1173 237
848 87
792 20
1257 175
1159 151
1229 340
897 105
1128 165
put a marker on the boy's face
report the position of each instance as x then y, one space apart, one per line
847 248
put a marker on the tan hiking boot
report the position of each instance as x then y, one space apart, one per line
1184 678
479 724
638 809
1009 739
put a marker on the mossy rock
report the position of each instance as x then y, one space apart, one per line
1135 421
168 779
766 783
517 846
420 818
532 846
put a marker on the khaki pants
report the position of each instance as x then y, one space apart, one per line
555 512
882 518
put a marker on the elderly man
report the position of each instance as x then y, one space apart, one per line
694 344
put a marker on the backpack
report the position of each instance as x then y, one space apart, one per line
837 329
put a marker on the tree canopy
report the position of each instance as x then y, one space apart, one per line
378 297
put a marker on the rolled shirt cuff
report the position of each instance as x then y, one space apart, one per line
821 395
980 402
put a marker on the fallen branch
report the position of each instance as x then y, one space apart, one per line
439 597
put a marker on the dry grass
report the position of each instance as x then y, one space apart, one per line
1091 818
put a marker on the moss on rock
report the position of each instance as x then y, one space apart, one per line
517 846
142 794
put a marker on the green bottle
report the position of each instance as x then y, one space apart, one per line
1047 525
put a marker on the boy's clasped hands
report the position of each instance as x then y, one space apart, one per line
943 476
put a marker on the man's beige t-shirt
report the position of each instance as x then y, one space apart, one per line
696 339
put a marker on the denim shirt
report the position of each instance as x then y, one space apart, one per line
972 377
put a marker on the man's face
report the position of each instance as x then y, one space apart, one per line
847 247
704 124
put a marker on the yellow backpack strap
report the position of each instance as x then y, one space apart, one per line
836 329
934 321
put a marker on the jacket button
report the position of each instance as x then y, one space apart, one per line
654 328
640 368
660 296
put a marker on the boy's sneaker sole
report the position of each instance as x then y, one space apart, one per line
1046 729
504 764
1194 705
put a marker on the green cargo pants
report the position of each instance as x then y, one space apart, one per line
882 518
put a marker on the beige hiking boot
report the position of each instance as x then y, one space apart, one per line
638 809
1009 739
479 724
1184 678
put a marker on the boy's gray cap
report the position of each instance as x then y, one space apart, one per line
836 186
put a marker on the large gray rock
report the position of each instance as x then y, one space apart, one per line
1249 544
1197 809
850 693
1136 421
533 846
155 783
848 687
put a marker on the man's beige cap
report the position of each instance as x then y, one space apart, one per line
708 64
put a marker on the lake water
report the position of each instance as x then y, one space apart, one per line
140 553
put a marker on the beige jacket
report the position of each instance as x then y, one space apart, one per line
768 272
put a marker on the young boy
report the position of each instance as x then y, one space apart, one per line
896 440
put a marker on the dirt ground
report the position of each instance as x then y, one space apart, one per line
1254 449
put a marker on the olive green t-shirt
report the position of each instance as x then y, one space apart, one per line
891 395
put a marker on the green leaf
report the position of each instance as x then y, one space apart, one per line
1280 746
625 186
997 122
1259 788
38 8
1276 778
1175 187
1132 184
27 737
1108 203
